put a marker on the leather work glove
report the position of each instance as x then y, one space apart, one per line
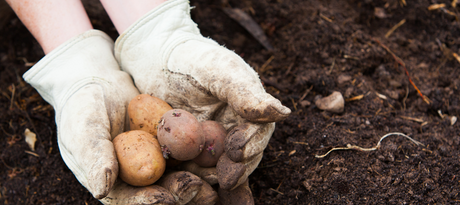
168 58
90 94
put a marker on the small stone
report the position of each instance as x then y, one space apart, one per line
307 185
453 120
395 84
382 72
349 92
392 94
305 103
332 103
380 13
343 78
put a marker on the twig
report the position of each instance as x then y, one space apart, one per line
277 191
394 28
403 2
289 69
12 96
302 143
306 93
325 18
427 101
456 56
436 6
250 25
369 149
381 96
265 65
350 57
413 119
332 67
405 97
31 153
294 103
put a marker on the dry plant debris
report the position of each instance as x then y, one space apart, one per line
400 62
31 138
436 6
394 28
355 147
250 25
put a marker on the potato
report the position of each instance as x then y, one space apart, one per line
139 157
206 196
183 185
214 134
180 135
145 112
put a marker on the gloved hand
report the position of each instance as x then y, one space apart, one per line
82 81
168 58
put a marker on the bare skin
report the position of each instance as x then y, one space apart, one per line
52 22
124 13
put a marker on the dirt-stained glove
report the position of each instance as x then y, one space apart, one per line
168 58
82 81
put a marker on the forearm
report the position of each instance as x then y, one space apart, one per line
123 13
52 22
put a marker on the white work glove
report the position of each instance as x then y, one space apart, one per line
168 58
82 81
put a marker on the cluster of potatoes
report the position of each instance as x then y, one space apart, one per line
160 133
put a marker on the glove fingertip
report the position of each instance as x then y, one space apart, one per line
240 195
107 177
229 172
269 110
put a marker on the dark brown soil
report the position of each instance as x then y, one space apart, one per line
316 44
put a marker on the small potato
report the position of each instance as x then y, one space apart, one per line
180 135
206 196
145 112
214 134
140 158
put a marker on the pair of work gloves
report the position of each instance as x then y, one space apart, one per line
89 82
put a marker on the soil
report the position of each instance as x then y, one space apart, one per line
319 47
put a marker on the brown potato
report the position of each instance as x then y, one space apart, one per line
180 135
206 196
139 157
145 112
214 134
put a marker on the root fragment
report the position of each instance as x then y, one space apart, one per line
394 28
400 62
355 147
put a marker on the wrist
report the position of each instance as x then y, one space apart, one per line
124 13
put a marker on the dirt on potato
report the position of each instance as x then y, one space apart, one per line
319 47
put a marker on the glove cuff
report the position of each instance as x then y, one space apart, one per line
152 38
81 60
